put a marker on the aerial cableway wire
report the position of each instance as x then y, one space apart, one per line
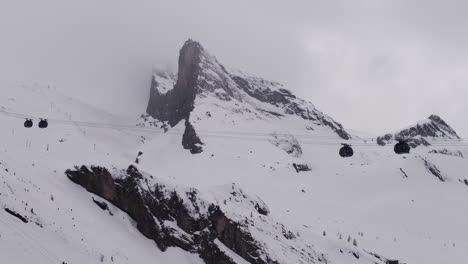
239 135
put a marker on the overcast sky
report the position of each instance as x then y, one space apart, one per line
373 65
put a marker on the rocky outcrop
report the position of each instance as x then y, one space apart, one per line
173 219
432 168
301 167
421 134
190 139
229 226
386 260
17 215
176 104
454 153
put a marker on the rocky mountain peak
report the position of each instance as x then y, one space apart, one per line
422 133
173 104
189 59
202 80
437 120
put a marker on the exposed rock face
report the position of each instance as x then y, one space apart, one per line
433 128
173 219
190 139
386 260
432 168
301 167
200 75
455 153
176 104
231 225
17 215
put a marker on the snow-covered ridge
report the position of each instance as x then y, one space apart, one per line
163 81
424 132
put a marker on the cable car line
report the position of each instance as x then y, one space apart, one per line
402 147
133 127
363 142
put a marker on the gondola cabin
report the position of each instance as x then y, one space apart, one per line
28 123
43 123
346 151
402 147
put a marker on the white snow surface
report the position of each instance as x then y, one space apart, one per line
416 219
165 81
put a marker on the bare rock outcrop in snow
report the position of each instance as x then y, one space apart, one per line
176 104
432 168
455 153
190 139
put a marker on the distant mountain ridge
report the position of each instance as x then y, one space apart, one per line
425 131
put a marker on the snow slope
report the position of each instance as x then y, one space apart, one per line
396 206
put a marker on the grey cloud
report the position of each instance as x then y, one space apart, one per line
373 65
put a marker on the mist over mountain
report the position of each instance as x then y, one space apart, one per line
105 158
373 59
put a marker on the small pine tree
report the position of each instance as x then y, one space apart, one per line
355 243
349 239
340 236
324 233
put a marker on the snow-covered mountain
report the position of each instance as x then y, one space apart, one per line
95 188
431 130
206 95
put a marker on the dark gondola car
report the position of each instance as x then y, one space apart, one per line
402 147
43 123
346 151
28 123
